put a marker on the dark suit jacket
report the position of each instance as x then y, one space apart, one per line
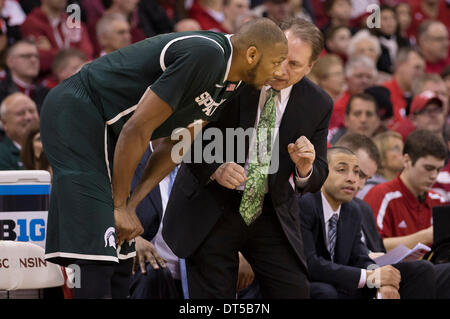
373 239
149 211
350 252
196 202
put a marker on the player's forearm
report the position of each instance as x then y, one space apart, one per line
129 150
159 166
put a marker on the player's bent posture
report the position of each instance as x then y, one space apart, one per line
96 125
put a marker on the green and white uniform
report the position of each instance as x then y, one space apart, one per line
81 120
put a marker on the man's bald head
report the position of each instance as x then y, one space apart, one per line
261 33
18 113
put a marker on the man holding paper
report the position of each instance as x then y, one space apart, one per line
369 160
337 258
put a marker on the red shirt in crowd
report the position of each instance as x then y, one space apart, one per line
404 127
397 211
339 107
437 67
37 26
442 185
418 16
206 21
397 99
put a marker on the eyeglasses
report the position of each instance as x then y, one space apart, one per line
28 55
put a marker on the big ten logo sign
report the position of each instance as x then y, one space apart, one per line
74 19
22 229
374 19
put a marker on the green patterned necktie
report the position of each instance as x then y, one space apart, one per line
260 155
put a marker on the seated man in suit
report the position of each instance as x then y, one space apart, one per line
217 209
157 272
338 261
369 159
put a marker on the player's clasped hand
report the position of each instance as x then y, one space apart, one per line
127 224
230 175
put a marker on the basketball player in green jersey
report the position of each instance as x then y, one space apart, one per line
96 125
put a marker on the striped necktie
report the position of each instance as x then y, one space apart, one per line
332 229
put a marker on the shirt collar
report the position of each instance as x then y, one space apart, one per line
228 36
284 93
327 210
411 199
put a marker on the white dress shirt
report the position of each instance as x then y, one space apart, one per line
281 101
327 213
158 241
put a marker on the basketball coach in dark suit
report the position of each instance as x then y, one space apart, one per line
204 220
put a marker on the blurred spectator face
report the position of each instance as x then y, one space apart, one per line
413 68
360 79
447 85
23 61
340 41
37 145
392 159
430 118
296 65
367 167
235 8
367 48
423 174
19 115
362 118
434 43
341 10
334 79
187 25
342 182
388 22
403 11
56 5
72 66
440 89
277 10
125 6
117 36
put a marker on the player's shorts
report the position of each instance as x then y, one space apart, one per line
81 215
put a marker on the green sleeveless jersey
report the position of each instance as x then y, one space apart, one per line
187 70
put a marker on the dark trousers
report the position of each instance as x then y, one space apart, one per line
155 284
212 270
442 272
417 283
103 280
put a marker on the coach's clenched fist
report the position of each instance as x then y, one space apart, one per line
229 175
303 155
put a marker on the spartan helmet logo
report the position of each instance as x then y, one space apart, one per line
110 237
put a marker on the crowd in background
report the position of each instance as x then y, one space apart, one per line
386 80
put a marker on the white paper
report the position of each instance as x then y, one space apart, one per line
402 253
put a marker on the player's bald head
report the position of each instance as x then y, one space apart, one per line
260 33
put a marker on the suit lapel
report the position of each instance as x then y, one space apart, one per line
288 125
248 110
318 198
344 236
155 198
